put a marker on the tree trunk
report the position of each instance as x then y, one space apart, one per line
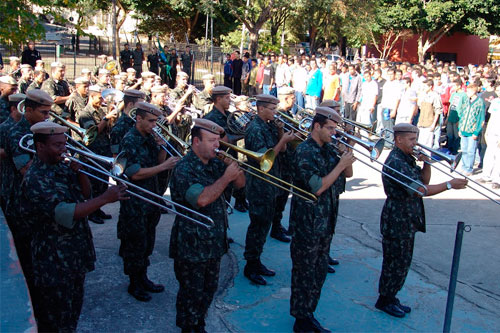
420 48
274 32
313 30
254 40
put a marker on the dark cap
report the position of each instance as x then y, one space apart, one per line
264 98
208 125
134 93
39 96
221 90
48 128
16 97
329 113
405 128
330 103
149 108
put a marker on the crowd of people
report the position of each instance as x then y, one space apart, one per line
170 138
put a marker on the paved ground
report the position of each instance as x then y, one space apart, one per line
348 295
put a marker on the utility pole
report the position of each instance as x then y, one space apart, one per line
243 29
113 10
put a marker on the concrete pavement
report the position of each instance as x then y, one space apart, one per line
348 296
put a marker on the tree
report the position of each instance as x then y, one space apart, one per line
433 19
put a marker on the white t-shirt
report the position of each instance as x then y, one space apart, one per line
391 93
369 92
406 106
299 79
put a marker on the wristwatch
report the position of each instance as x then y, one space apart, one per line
448 186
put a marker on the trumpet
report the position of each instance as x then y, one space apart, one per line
258 173
88 135
27 141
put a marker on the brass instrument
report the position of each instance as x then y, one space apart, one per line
178 141
238 121
375 148
265 159
27 141
88 135
366 127
291 123
112 67
112 94
258 173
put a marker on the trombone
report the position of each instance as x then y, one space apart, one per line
88 135
27 141
265 161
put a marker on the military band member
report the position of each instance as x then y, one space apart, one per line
103 59
37 107
183 95
58 88
94 115
78 100
125 122
262 134
203 99
138 220
126 58
316 168
39 76
104 79
56 201
26 78
86 73
147 81
8 86
403 215
15 67
198 182
132 82
286 96
5 127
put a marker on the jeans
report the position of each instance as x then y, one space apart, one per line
453 137
468 145
311 102
266 89
299 100
437 133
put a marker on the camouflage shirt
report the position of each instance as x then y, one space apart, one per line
23 86
311 164
189 241
202 99
55 89
140 152
16 160
4 132
4 109
61 246
261 136
118 132
91 117
34 85
75 104
403 213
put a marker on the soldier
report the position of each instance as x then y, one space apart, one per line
5 127
126 58
262 134
103 79
8 86
132 82
78 100
94 115
56 200
183 95
39 76
198 182
203 99
147 80
138 59
15 67
103 59
286 95
58 89
403 215
186 61
125 122
138 220
37 107
88 75
26 78
316 168
30 55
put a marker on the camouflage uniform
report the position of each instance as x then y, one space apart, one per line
118 132
402 216
55 89
62 248
4 132
201 100
261 195
182 128
196 251
313 225
4 108
23 86
22 233
138 220
87 118
75 104
34 85
147 94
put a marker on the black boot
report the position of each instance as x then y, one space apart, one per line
136 288
149 285
277 232
240 206
303 325
332 261
317 326
95 219
389 306
251 271
100 213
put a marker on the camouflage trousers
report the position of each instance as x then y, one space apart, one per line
309 270
61 304
257 230
395 266
281 200
138 243
163 180
198 283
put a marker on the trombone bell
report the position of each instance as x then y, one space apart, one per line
265 159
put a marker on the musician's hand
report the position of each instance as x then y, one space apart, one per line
288 136
115 193
347 159
170 163
233 171
423 156
112 114
190 89
458 183
75 166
